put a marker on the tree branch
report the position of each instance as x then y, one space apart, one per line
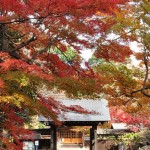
146 66
43 50
23 44
144 93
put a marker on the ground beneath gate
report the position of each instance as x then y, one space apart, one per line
71 147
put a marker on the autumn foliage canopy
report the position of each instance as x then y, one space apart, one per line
36 34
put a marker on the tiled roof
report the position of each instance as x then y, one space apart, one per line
99 106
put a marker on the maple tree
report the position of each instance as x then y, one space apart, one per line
136 24
37 38
125 86
117 83
33 35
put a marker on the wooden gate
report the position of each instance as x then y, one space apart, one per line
67 136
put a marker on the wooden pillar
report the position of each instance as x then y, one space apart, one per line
53 144
92 137
83 139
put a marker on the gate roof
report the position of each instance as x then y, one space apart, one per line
99 106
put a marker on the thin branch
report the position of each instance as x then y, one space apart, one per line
142 90
43 50
58 14
144 93
14 38
146 66
144 9
35 18
67 60
49 45
134 92
23 44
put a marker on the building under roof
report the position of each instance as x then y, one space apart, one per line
100 115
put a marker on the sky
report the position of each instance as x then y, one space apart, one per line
135 47
86 54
